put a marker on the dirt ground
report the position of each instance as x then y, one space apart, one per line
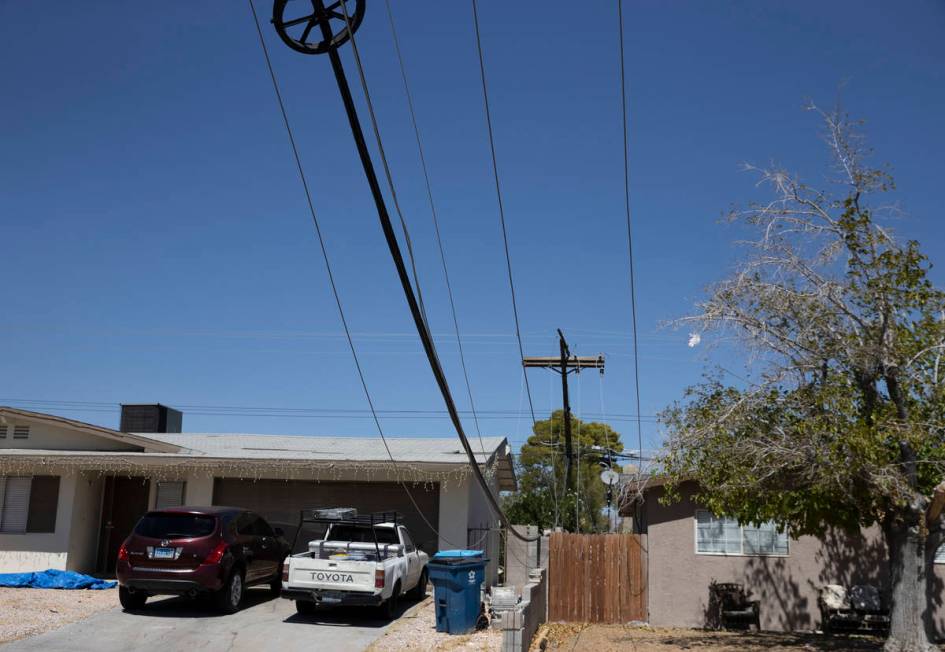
27 612
416 630
603 638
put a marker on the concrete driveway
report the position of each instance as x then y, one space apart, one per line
264 623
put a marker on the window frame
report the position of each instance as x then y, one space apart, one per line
741 540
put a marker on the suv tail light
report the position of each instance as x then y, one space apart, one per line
123 553
216 554
379 578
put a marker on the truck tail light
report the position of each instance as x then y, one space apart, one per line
285 573
379 578
123 553
216 554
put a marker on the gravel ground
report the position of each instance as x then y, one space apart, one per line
27 612
603 638
416 630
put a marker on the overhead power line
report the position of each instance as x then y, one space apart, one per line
626 194
498 194
436 222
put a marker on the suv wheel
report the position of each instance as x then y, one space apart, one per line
131 601
231 595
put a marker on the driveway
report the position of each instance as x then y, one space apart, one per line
264 623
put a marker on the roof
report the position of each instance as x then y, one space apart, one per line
145 441
310 447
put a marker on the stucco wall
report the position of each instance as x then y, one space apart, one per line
86 521
787 586
41 550
49 437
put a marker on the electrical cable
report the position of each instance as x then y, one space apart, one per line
626 185
498 192
423 330
331 278
436 222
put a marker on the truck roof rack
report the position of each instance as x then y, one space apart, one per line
346 517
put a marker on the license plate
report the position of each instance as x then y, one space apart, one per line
163 553
331 596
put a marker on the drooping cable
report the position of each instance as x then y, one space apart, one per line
498 193
436 222
626 194
331 277
423 330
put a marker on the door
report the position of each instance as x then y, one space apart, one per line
269 551
414 567
249 544
125 500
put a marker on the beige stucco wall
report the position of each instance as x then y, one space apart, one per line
787 586
48 437
86 522
39 551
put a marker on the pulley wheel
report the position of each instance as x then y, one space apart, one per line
299 23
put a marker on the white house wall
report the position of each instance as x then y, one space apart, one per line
32 551
86 522
49 437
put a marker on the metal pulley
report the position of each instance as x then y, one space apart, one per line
327 25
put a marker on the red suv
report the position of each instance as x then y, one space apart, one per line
199 550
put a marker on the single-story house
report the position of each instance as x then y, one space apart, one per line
688 547
71 491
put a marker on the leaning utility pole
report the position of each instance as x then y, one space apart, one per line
564 364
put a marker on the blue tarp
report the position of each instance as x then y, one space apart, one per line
53 579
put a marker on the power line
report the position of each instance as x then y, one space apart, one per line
436 222
420 322
331 278
626 194
498 193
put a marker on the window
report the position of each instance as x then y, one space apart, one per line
175 526
721 535
169 494
940 554
408 544
28 503
3 431
21 432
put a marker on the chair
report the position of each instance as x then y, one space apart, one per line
731 608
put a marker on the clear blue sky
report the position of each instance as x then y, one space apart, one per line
156 245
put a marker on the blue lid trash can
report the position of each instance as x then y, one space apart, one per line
457 577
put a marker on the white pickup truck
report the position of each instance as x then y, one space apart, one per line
360 560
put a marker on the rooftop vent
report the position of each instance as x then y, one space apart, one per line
152 417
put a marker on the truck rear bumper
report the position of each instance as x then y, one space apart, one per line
333 598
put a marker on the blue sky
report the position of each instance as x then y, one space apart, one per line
156 244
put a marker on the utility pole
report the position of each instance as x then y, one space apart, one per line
564 364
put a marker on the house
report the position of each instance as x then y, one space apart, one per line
70 492
688 547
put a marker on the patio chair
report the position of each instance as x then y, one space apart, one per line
731 608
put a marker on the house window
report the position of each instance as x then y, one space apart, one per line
169 494
940 554
28 503
721 535
3 431
21 432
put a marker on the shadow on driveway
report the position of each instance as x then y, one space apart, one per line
199 607
351 616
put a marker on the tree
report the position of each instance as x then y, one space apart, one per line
541 499
844 423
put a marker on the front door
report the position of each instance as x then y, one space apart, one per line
125 500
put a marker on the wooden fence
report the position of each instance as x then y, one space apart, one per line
596 578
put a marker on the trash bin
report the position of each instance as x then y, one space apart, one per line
457 576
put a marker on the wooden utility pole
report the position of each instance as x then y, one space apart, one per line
564 364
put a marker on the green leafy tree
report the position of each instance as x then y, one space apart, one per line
842 425
541 499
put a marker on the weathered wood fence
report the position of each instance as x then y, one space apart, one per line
596 578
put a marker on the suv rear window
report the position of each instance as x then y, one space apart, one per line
175 526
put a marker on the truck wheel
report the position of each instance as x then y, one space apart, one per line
131 601
420 590
389 608
230 596
304 607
